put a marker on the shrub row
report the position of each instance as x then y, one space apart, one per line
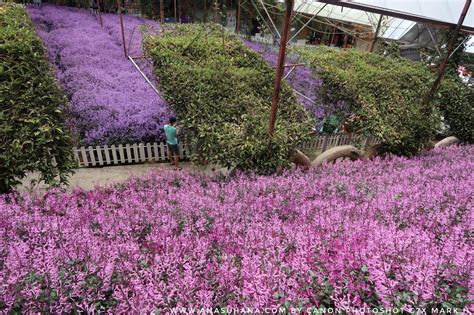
33 136
222 90
385 97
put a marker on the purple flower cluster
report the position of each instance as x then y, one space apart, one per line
109 100
386 233
303 80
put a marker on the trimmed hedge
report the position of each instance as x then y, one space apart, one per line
456 103
222 90
32 129
386 95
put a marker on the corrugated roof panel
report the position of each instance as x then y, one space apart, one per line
440 10
333 12
397 28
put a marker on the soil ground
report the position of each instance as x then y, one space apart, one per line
88 178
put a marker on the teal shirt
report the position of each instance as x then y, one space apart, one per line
170 133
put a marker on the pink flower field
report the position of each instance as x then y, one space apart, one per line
394 233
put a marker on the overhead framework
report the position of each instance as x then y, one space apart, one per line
451 14
440 13
398 17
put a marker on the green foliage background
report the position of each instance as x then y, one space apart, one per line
456 103
385 96
32 129
222 92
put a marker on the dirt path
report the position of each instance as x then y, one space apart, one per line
88 178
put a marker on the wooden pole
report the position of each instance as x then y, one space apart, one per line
372 45
442 68
162 12
175 12
280 65
237 18
205 11
100 16
119 4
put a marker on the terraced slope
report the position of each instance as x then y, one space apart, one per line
109 100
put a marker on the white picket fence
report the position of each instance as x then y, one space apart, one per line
268 39
325 142
157 152
124 154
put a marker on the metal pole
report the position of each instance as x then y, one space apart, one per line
372 45
144 76
162 11
289 72
462 43
237 18
263 19
292 65
175 12
280 64
270 18
434 41
100 16
452 42
304 96
119 4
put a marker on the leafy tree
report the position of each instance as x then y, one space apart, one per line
33 136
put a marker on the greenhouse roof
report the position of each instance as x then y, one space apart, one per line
402 14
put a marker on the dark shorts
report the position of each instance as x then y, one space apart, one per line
173 148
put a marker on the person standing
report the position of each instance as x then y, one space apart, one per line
172 142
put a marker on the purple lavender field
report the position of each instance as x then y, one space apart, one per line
109 100
393 233
303 80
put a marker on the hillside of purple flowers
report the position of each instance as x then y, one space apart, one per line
109 100
303 80
391 233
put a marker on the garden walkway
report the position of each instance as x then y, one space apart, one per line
88 178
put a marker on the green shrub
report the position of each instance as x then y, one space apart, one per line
222 91
32 132
384 95
456 103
